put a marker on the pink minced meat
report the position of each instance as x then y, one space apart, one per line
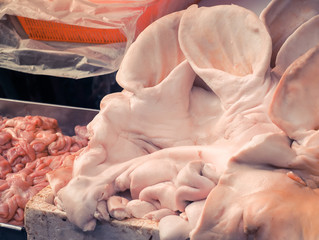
30 148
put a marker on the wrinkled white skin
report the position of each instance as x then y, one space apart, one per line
138 129
295 110
216 142
140 121
260 201
294 107
274 195
237 72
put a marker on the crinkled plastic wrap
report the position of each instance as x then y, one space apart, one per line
69 59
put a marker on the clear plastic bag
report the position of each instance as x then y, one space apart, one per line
74 59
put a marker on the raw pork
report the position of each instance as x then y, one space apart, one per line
200 132
283 17
258 200
207 137
31 147
305 37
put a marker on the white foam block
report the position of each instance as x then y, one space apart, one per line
43 220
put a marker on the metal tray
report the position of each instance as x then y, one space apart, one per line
67 117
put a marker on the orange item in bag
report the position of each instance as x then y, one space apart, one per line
53 31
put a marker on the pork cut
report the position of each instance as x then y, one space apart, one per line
283 17
260 201
30 148
208 137
137 129
305 37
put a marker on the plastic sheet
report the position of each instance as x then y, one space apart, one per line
70 59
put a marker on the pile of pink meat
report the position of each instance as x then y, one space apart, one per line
215 134
30 148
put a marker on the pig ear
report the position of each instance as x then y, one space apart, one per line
298 43
283 17
295 104
228 47
153 55
228 38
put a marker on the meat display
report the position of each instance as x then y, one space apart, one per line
30 148
215 133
